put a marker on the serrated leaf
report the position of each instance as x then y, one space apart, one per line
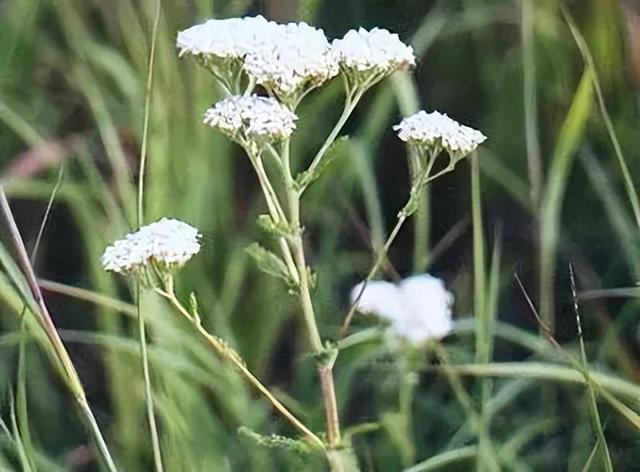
339 147
271 227
193 307
269 263
275 441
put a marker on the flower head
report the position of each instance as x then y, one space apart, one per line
438 130
374 52
166 244
231 38
418 309
296 57
250 119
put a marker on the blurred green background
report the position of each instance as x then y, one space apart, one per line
72 89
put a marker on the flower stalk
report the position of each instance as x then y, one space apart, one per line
325 369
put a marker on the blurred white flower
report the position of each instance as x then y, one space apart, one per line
167 243
418 308
372 52
250 119
230 38
297 56
438 130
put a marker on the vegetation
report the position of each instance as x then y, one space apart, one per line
537 236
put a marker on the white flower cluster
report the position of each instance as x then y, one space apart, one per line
437 129
298 56
168 243
232 38
295 57
251 118
418 309
374 51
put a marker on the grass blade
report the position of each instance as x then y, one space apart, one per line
551 206
593 404
151 419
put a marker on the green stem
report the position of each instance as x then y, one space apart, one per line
325 369
479 277
382 254
97 434
342 460
142 337
419 185
421 235
148 392
275 211
350 104
293 201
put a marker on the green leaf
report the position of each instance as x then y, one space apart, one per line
193 307
274 441
278 229
269 263
568 141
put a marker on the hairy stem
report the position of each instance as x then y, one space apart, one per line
324 368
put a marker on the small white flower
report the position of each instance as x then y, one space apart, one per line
375 51
231 38
252 118
437 129
418 309
298 56
168 243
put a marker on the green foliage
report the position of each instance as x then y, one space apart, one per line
276 442
72 90
270 264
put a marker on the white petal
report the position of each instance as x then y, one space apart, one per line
428 305
380 298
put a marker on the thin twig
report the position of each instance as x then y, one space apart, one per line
422 181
